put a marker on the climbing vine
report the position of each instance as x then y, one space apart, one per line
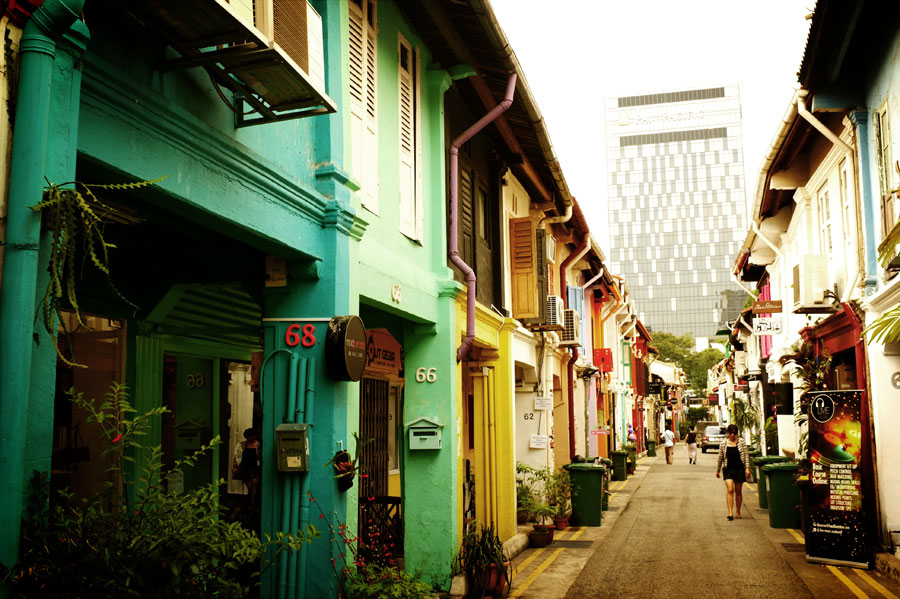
76 218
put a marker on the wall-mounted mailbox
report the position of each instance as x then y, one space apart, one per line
292 445
424 433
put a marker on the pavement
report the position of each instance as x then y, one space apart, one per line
665 534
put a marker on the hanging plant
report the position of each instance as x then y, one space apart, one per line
76 219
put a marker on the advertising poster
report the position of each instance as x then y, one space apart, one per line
836 524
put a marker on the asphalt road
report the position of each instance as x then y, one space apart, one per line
673 540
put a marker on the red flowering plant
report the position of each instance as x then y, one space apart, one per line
367 570
138 537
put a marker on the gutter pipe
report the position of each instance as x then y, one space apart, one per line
572 258
819 125
741 285
37 52
466 344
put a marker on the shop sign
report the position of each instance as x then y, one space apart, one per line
538 442
603 359
766 306
654 388
382 353
543 403
276 271
345 348
767 325
836 532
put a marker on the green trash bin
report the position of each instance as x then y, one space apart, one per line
756 467
651 449
783 494
588 491
620 466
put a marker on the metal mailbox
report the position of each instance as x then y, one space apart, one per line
424 433
292 445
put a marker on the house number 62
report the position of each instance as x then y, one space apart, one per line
426 375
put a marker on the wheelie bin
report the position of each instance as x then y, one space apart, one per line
651 449
756 467
588 490
783 495
620 466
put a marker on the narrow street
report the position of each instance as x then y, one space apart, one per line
667 533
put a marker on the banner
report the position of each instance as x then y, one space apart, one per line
835 521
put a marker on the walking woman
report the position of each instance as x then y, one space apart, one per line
691 441
733 453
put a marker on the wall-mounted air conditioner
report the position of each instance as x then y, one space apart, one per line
554 311
740 364
571 333
810 281
297 28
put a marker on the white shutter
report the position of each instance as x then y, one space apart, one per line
362 84
407 149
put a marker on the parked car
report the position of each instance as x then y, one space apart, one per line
713 437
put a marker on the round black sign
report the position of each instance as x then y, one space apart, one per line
821 408
345 348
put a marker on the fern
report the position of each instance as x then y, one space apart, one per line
76 218
886 328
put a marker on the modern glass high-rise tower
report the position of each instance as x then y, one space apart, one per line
677 208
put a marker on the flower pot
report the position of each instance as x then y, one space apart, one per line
561 522
491 581
540 537
345 481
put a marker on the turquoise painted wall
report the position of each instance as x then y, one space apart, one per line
426 318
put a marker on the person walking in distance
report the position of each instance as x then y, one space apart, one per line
669 443
733 454
691 441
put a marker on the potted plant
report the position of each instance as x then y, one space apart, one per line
485 562
559 495
540 515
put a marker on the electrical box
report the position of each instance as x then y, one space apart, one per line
424 433
292 446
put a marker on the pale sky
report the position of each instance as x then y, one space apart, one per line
575 53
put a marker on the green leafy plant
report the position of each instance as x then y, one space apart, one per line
536 498
163 544
886 328
484 561
76 219
559 492
745 415
367 572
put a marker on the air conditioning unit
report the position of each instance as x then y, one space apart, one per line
571 333
554 311
296 27
810 282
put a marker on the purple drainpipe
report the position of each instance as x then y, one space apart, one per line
463 348
570 370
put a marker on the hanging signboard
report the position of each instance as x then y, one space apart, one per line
543 403
836 524
766 306
538 442
767 326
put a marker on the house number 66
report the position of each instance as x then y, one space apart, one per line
426 375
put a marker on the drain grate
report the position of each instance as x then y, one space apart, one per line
572 544
794 547
612 508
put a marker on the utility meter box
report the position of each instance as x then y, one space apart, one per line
424 433
292 445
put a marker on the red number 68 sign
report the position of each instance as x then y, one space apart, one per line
298 334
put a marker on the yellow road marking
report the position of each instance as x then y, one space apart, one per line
537 571
530 558
847 583
884 592
796 535
576 535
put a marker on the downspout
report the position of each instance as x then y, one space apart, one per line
742 286
819 125
309 402
572 258
559 219
37 52
464 347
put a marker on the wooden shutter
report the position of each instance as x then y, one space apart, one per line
523 264
362 85
466 217
407 156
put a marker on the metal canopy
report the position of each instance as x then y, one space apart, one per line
238 57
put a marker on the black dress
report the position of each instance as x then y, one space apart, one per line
249 467
734 467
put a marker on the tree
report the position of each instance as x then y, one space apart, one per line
673 348
696 366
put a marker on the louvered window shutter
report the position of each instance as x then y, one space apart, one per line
407 183
466 218
523 263
362 85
